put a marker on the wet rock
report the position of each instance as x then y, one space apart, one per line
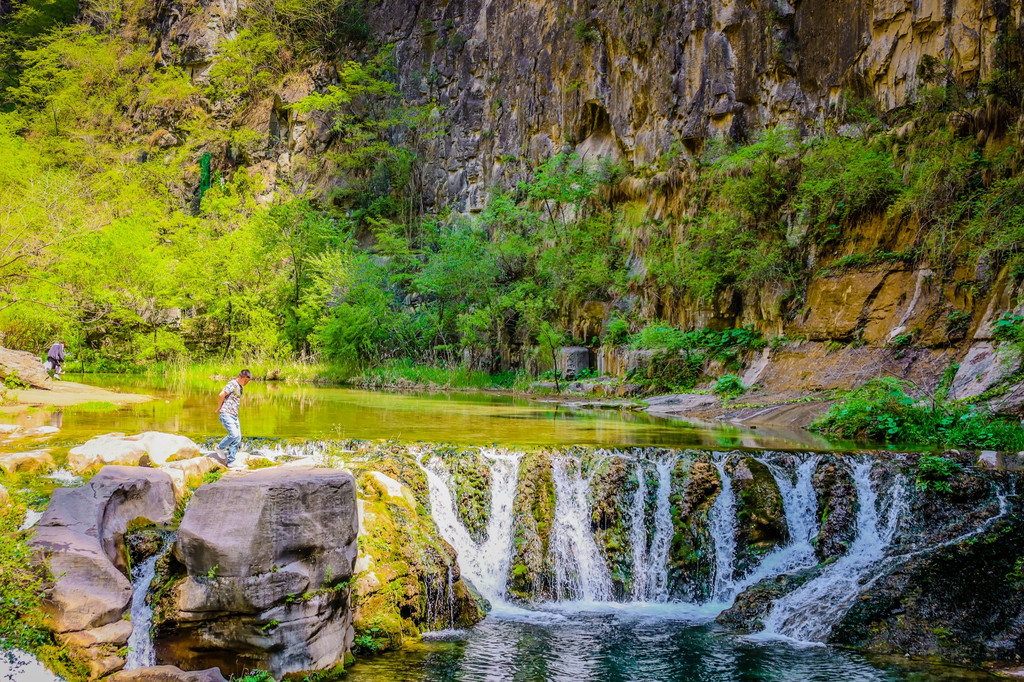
31 462
837 508
80 536
266 558
531 573
761 518
407 577
24 367
695 485
470 484
149 448
753 605
168 673
612 487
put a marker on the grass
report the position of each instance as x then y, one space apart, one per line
98 406
291 371
407 374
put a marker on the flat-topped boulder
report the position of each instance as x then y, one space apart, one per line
26 367
31 462
149 448
81 537
263 563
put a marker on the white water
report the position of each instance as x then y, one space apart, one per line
800 504
140 644
660 545
808 613
580 571
484 564
723 530
638 535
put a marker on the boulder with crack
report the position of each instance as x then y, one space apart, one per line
259 576
80 537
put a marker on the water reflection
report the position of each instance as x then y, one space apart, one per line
276 410
621 647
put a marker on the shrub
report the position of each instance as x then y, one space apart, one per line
934 472
728 386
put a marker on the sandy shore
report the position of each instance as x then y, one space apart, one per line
66 393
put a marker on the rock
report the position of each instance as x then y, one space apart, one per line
8 429
695 486
80 536
163 138
263 564
837 508
983 366
26 367
988 459
761 516
168 673
151 447
31 462
38 432
572 360
531 573
188 473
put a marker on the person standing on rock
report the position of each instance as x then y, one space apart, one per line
55 359
227 408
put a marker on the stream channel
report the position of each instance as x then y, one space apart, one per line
584 634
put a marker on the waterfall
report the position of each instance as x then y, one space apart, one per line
723 529
484 564
638 535
800 504
140 643
809 612
660 545
580 570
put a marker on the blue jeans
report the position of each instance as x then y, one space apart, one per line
233 440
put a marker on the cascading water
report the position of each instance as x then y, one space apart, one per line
723 530
809 612
485 564
638 535
580 571
140 643
800 505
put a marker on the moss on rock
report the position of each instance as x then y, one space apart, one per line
695 484
761 518
837 508
612 486
531 573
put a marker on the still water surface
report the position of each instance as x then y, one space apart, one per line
277 410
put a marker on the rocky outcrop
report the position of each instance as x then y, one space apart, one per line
471 487
19 366
613 486
262 567
149 448
837 508
760 514
80 537
531 574
695 485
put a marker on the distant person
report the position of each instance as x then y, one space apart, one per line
55 360
227 408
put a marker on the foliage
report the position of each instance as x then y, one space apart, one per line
934 472
884 409
728 386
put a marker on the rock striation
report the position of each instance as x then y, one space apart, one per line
260 574
80 537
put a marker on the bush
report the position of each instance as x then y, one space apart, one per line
883 409
728 386
934 472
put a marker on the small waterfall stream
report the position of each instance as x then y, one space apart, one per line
140 643
660 545
809 612
723 529
580 571
638 535
486 563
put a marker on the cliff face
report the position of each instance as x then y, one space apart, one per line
522 80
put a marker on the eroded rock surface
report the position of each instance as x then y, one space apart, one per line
151 447
26 367
81 537
262 564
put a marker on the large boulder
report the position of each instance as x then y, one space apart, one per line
151 447
263 563
25 366
80 536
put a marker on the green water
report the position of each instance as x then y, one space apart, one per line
277 410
